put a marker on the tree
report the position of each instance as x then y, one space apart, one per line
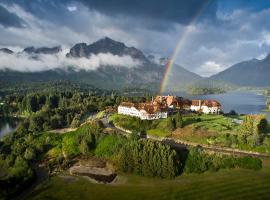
23 127
171 124
252 127
53 101
69 118
83 147
36 123
268 102
149 158
29 154
56 121
179 120
262 124
75 122
32 103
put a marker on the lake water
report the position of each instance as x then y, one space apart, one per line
241 102
7 125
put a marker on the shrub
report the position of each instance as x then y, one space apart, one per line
199 162
84 149
110 146
29 154
248 163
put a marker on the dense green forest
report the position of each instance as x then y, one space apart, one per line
53 109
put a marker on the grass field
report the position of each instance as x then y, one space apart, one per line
215 123
158 132
225 184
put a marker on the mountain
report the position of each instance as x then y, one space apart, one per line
43 50
106 45
6 50
248 73
179 78
148 75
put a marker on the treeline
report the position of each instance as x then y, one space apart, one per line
148 158
205 91
24 88
138 125
198 162
251 133
46 111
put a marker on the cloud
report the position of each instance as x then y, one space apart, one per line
225 32
72 8
209 68
8 19
175 11
23 62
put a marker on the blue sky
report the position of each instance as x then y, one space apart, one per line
223 33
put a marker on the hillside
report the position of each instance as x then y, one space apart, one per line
248 73
179 78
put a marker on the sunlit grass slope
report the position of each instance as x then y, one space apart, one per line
225 184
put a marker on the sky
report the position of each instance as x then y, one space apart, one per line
211 35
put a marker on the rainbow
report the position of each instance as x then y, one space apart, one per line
176 50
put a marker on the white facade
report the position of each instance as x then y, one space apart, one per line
195 108
204 108
210 110
142 114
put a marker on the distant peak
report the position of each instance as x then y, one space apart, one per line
6 50
43 50
267 58
107 40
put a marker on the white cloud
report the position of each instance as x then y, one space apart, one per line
35 63
72 8
209 68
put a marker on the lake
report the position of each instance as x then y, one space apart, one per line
241 102
7 125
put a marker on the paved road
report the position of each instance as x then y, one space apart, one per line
178 144
182 144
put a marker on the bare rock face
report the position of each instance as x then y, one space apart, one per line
106 45
79 50
43 50
96 170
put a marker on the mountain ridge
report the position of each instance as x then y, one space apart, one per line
252 72
106 45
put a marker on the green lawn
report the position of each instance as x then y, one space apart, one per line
158 132
100 114
225 184
216 123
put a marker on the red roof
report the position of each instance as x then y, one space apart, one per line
148 107
208 103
